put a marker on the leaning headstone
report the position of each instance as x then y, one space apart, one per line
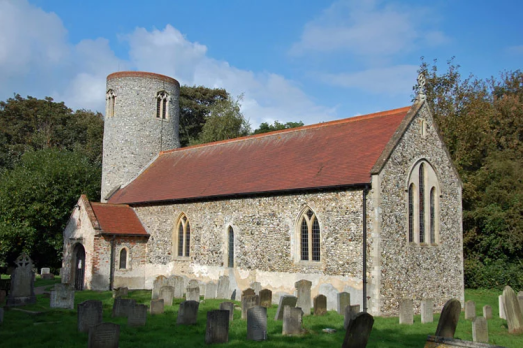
223 288
501 309
228 306
292 320
89 314
248 292
358 331
62 296
248 302
350 314
105 335
332 296
210 291
320 305
137 315
448 320
285 300
188 313
427 311
192 293
512 311
265 298
480 330
487 312
157 307
22 291
121 292
256 286
122 307
167 295
406 312
470 310
217 327
303 293
45 270
343 301
179 288
257 323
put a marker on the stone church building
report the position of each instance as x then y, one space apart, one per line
370 205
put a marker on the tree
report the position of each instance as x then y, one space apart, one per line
266 127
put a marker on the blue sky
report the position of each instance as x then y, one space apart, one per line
292 60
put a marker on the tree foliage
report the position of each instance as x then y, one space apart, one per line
266 127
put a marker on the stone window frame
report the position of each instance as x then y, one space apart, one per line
225 241
127 259
110 101
186 251
163 99
431 184
298 237
423 127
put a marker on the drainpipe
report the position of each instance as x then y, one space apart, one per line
365 191
111 268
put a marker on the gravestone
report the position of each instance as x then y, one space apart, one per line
257 323
62 296
292 320
192 293
45 270
193 283
520 300
320 305
48 276
228 306
265 298
427 311
89 314
501 309
179 287
350 314
223 288
248 292
343 301
512 311
448 320
249 301
470 310
188 313
303 293
487 312
157 307
217 327
122 307
121 292
157 284
167 295
137 315
22 283
480 330
105 335
285 300
332 296
210 291
406 312
256 286
358 332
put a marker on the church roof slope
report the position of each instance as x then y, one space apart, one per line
330 154
118 219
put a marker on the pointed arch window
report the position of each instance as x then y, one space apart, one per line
123 258
421 203
184 236
110 99
162 111
231 247
309 237
411 213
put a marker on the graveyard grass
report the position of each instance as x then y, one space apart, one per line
57 327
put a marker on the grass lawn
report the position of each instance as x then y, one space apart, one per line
57 328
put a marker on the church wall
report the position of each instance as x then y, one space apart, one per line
133 275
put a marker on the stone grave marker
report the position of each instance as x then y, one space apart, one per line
427 311
89 314
285 300
167 295
249 301
192 293
292 320
350 314
217 330
122 307
406 312
448 320
120 292
470 310
332 296
480 330
210 291
137 315
303 293
320 305
223 288
228 306
47 276
343 301
157 306
178 284
487 312
45 270
193 283
62 296
188 313
22 283
501 309
256 286
512 311
265 298
257 323
105 335
358 332
520 300
248 292
157 284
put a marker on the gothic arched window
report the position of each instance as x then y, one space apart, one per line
110 99
231 247
309 237
184 236
123 258
162 111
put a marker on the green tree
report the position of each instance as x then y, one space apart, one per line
266 127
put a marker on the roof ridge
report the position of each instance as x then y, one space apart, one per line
110 204
296 129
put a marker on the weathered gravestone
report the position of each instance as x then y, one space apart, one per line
406 312
256 286
249 301
320 305
122 307
192 293
137 315
285 300
179 287
448 320
120 292
247 292
350 314
45 270
358 331
470 310
332 296
188 313
105 335
223 288
157 306
520 300
47 276
487 312
22 283
89 314
343 301
228 306
257 323
167 295
501 309
217 327
210 291
480 330
62 296
427 311
157 284
292 320
512 311
303 293
265 298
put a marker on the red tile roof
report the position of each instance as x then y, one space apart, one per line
118 219
331 154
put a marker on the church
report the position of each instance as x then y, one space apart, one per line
370 205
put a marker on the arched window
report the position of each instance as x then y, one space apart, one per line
184 236
123 258
411 213
309 237
432 215
110 99
421 203
231 247
162 111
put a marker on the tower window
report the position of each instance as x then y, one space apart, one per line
110 99
162 111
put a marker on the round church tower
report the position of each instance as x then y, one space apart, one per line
141 119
